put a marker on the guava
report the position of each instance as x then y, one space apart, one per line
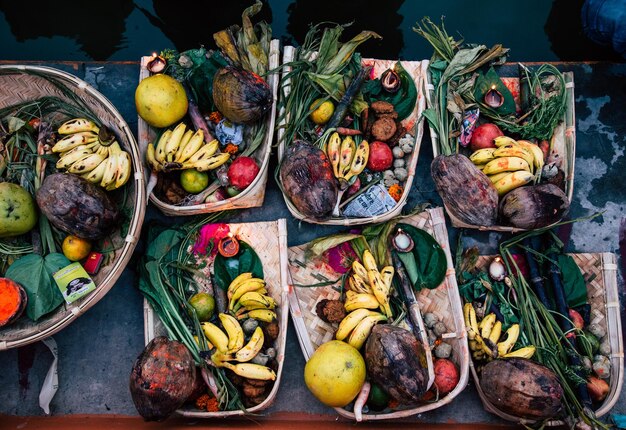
18 213
161 100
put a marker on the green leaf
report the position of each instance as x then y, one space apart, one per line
573 282
432 118
404 99
336 64
163 244
430 261
225 269
34 273
462 59
321 245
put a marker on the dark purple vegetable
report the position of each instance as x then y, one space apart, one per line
308 181
76 206
396 361
467 192
241 96
197 119
163 377
534 207
346 100
522 388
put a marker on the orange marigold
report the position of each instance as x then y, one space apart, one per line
396 191
231 148
215 117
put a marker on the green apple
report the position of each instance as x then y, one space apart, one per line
18 213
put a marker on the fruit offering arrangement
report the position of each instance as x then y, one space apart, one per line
503 155
369 307
207 109
208 288
349 129
540 353
63 197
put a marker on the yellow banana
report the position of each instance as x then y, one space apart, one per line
503 140
368 261
511 337
253 284
512 181
359 161
205 151
150 158
253 298
209 163
486 325
174 141
160 147
515 151
237 282
525 352
264 315
506 164
496 331
102 150
333 151
252 371
252 348
348 148
361 300
110 172
350 321
387 275
72 156
77 125
482 156
359 269
363 329
380 291
73 140
124 169
538 160
470 321
216 336
95 176
194 144
496 177
358 284
233 331
183 143
86 164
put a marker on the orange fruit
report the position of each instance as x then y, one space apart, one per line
193 181
76 248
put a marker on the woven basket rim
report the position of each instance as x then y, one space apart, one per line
75 310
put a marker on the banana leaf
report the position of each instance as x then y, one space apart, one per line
403 100
335 86
573 281
485 82
323 244
225 269
426 263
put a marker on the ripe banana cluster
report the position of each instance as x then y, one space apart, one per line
484 337
229 346
512 164
347 159
247 298
83 153
182 149
369 287
357 326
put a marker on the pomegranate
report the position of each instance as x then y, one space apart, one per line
483 136
242 172
380 158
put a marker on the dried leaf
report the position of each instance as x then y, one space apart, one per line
344 54
319 246
463 59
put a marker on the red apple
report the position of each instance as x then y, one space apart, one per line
483 136
380 158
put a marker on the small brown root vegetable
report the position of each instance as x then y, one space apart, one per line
360 401
348 131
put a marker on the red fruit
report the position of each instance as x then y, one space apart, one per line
380 158
354 187
242 172
483 136
522 265
577 319
446 375
598 388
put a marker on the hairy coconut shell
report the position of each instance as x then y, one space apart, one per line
467 192
162 378
308 181
534 206
76 206
522 388
241 96
396 361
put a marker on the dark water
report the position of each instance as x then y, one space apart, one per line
535 30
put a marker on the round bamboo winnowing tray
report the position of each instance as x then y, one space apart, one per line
254 194
269 241
18 83
444 301
600 273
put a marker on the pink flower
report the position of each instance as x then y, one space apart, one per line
340 257
208 236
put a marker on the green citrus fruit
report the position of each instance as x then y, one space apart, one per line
204 304
193 181
378 399
322 114
161 100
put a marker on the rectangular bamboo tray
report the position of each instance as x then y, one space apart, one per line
444 302
600 273
269 241
417 70
562 145
252 196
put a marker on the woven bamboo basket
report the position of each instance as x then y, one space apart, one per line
600 273
414 125
562 145
444 302
16 84
255 193
269 241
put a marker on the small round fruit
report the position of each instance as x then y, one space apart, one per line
483 136
335 373
380 157
377 399
193 181
204 304
161 100
242 172
76 248
322 114
18 213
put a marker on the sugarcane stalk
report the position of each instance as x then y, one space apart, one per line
536 280
346 100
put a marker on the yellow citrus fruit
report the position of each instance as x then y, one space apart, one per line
204 304
161 100
335 373
322 114
75 248
193 181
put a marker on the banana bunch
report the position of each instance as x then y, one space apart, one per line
346 158
511 164
484 337
369 287
229 346
357 326
182 149
247 298
83 153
